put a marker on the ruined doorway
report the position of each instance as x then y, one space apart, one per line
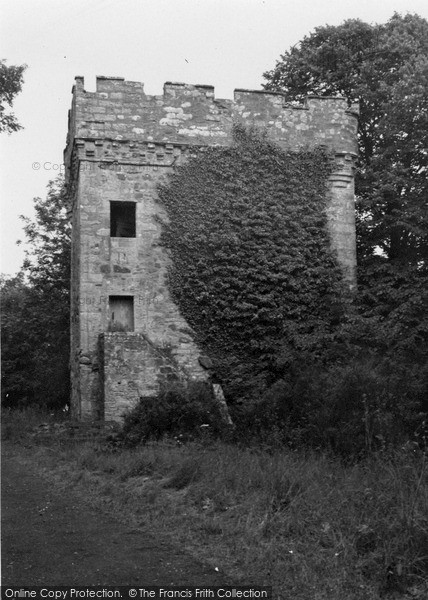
121 313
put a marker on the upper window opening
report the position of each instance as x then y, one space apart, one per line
122 219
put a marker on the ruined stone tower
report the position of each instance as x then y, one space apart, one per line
127 335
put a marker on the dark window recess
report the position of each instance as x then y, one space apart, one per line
121 313
122 219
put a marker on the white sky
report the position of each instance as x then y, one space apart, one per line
225 43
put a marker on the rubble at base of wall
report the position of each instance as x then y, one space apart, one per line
75 431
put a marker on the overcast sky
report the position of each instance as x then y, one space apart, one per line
225 43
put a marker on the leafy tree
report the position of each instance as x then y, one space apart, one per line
18 368
49 236
11 80
35 316
385 67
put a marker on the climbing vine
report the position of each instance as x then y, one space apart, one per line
251 269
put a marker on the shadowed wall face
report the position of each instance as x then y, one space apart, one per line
121 144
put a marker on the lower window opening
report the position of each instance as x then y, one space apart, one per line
121 313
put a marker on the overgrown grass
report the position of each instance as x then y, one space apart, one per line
18 424
306 523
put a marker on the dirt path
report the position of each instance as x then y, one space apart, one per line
49 539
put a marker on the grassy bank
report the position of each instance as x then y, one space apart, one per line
306 524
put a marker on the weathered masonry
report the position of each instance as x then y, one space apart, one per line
127 335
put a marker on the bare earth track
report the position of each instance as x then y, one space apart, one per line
49 539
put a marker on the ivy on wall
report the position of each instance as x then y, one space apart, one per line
252 270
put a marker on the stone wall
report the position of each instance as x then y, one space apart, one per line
130 368
190 114
121 144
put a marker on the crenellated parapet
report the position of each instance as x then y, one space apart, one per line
190 114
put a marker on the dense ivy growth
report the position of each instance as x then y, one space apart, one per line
252 270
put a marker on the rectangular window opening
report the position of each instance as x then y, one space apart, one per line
122 219
121 313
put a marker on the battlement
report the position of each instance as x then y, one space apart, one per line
191 114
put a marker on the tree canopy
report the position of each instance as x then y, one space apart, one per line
385 67
11 80
35 310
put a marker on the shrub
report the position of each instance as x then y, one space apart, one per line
179 410
350 409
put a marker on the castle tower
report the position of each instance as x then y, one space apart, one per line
127 335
